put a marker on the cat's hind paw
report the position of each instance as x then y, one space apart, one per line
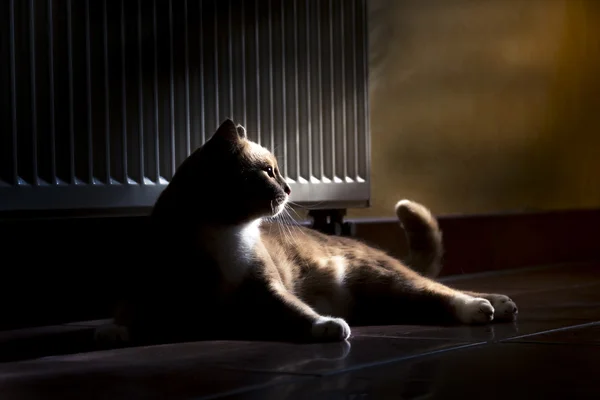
505 308
473 310
330 329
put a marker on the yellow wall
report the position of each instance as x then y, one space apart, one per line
485 105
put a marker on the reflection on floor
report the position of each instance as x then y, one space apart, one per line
552 351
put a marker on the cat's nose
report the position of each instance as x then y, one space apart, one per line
287 189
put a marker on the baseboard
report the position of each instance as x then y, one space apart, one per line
479 243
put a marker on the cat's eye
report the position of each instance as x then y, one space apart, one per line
269 172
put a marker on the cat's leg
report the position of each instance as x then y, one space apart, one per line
505 308
448 304
386 291
290 312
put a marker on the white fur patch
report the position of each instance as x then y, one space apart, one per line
339 265
234 249
472 310
328 328
335 300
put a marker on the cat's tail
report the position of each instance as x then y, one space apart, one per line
424 238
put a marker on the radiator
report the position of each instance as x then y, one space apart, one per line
103 99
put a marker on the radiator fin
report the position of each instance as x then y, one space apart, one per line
104 99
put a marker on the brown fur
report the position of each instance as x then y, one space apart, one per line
223 274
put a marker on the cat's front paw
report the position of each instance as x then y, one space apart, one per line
328 328
505 308
473 310
111 334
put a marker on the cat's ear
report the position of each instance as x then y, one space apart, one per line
229 132
241 131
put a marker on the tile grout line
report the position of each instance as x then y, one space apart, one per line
432 338
584 344
564 328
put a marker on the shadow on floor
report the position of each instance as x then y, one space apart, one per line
549 352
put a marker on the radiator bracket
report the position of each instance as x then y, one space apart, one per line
331 222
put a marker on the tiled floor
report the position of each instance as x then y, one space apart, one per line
552 351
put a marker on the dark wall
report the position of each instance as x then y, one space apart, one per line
68 269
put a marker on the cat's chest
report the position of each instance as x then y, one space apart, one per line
234 250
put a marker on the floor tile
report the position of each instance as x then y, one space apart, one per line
548 352
48 340
104 381
485 333
574 303
537 279
587 334
322 359
261 357
500 371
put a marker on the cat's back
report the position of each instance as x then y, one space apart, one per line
295 239
299 239
310 256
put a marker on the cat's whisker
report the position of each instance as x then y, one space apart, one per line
285 218
297 215
290 225
295 221
307 207
297 205
275 152
283 231
276 222
291 234
278 227
295 224
285 228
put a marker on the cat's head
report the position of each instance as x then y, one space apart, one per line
232 179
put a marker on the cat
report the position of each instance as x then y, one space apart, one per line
225 269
